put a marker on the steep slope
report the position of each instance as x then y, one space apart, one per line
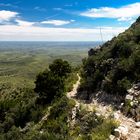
111 76
115 65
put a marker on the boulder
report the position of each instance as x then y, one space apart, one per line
117 133
111 137
124 130
137 86
131 91
136 94
116 115
138 124
135 102
121 131
129 97
97 114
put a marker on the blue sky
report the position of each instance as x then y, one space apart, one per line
65 20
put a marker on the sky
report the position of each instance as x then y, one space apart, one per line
65 20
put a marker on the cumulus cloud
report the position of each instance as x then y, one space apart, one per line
57 22
24 23
31 31
123 13
7 15
34 33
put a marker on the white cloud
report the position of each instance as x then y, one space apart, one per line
123 13
125 19
29 31
57 22
7 15
33 33
24 23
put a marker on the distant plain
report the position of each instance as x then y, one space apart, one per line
20 62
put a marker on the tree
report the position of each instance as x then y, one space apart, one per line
51 83
48 86
60 67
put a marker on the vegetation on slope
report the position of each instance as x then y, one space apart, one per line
45 114
115 65
20 108
91 126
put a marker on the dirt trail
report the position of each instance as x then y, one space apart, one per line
73 93
133 132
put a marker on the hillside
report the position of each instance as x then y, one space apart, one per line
111 76
115 66
50 111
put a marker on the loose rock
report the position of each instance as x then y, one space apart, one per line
111 137
138 124
121 131
129 97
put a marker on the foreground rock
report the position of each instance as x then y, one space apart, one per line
111 137
121 132
129 97
138 124
132 102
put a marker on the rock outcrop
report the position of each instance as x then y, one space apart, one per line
132 102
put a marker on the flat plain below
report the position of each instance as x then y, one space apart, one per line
20 62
